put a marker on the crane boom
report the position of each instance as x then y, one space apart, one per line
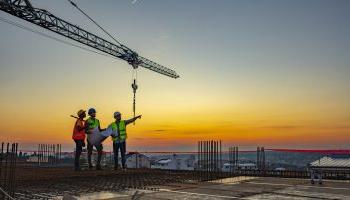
24 10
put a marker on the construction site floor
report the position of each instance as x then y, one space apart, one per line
63 183
242 188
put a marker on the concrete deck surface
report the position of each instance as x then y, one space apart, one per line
248 188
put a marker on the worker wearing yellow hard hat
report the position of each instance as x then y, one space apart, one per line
79 137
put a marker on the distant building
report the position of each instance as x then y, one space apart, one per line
32 159
137 160
336 165
174 162
227 167
65 155
280 169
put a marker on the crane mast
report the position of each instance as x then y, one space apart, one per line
24 10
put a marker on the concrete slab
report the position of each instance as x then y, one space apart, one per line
238 188
257 188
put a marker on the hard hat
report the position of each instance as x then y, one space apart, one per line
117 114
80 112
91 110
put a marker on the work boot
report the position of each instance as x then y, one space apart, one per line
98 167
90 166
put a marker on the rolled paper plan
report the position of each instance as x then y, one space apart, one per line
96 136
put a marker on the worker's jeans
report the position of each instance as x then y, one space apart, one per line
99 149
78 150
122 147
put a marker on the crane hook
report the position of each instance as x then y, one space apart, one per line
134 88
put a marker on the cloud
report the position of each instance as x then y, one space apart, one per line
150 139
285 127
160 130
134 1
335 127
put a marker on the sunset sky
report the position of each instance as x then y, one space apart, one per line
253 72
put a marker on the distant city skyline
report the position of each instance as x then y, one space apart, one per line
252 73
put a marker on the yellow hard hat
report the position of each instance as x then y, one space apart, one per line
80 112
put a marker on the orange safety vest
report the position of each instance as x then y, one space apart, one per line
78 134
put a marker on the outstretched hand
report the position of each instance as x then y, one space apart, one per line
139 117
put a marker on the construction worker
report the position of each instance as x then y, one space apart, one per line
79 137
92 124
119 142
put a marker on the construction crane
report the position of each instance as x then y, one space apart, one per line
24 10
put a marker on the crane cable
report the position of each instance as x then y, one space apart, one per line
134 72
84 13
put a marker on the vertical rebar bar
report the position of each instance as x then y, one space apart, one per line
53 154
215 159
47 154
5 170
51 151
237 158
13 158
201 160
258 157
14 170
263 159
40 153
204 160
207 158
220 162
1 158
232 159
210 158
37 153
9 180
60 152
44 154
229 158
197 169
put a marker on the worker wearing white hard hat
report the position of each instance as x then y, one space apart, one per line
119 141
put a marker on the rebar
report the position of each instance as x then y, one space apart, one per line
8 161
260 159
48 154
209 160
